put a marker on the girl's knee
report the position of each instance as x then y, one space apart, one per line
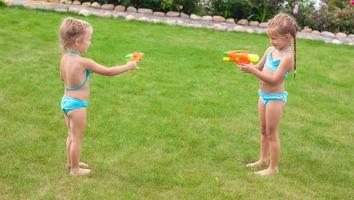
271 129
76 142
76 136
264 131
271 133
272 137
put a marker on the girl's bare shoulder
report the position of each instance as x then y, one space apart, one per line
289 55
288 60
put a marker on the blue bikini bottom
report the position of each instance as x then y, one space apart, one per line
272 97
69 103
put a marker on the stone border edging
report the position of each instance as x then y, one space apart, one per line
175 18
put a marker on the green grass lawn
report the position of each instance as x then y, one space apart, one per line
181 127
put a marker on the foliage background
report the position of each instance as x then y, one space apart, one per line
333 15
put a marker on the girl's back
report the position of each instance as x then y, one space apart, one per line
74 75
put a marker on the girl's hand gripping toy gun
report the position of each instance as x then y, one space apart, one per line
136 56
240 57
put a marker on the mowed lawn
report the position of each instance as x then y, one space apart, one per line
183 126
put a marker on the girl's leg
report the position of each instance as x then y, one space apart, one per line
264 148
68 141
264 145
273 114
77 125
68 145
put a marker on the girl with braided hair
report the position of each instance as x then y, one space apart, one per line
275 65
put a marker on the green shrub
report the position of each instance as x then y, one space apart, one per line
306 15
152 4
230 8
186 6
260 10
337 16
338 3
340 20
263 10
2 4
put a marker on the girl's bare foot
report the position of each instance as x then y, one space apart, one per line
267 172
80 172
81 165
256 164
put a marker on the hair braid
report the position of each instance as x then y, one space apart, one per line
285 24
296 28
294 56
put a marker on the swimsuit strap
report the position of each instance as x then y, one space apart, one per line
88 72
72 52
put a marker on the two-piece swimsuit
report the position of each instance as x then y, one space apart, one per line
273 66
69 103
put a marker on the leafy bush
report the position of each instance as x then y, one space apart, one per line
187 6
230 8
263 10
338 3
337 15
260 10
328 17
2 4
340 19
152 4
306 15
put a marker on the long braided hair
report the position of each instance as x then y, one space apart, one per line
286 24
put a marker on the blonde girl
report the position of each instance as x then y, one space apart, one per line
75 70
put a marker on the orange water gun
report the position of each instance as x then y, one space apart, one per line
240 57
136 56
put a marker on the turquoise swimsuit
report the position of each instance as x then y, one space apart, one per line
266 97
70 103
273 66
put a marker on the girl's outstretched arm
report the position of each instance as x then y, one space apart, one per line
108 71
286 65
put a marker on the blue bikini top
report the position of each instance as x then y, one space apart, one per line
273 64
88 73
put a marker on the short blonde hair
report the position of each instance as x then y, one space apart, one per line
72 29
